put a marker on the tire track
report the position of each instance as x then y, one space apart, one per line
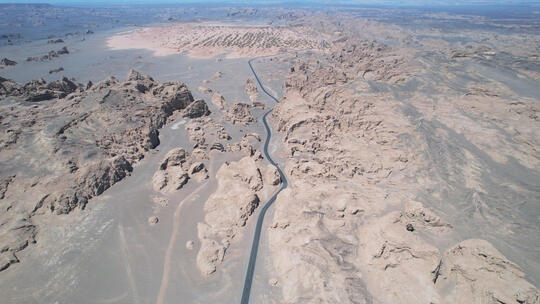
172 240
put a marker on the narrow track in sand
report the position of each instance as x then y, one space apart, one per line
172 240
257 235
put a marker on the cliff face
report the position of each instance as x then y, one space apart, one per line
63 144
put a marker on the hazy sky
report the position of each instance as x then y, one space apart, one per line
377 2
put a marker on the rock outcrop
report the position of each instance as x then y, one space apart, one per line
239 114
78 141
204 90
153 220
6 62
247 145
219 101
473 271
51 55
39 90
196 109
175 171
205 133
171 175
54 41
8 87
251 89
242 185
58 70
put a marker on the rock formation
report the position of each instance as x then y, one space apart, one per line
239 114
39 90
8 87
354 226
204 90
251 89
6 62
248 144
241 187
219 101
78 142
204 131
196 109
53 41
218 75
175 170
473 271
60 69
50 55
153 220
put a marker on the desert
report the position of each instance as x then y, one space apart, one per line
269 153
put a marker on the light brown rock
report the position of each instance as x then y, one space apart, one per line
241 186
153 220
239 114
173 171
473 271
204 90
251 89
219 101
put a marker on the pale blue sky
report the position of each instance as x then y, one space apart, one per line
376 2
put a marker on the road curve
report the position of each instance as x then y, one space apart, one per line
257 235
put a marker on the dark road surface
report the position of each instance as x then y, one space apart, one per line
257 235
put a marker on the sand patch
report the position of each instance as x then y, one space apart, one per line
201 40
